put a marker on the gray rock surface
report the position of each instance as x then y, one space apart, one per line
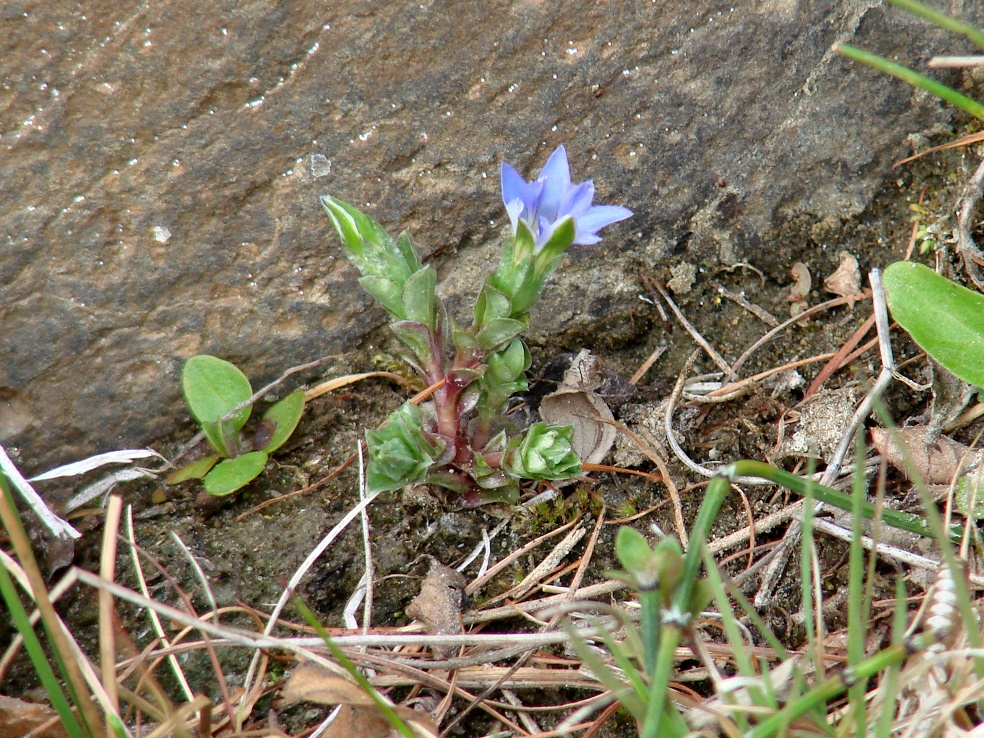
160 166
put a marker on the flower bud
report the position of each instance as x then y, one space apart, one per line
401 452
543 453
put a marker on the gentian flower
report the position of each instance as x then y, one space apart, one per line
543 203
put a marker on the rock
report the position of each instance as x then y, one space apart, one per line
161 166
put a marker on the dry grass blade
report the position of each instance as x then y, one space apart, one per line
557 554
966 247
671 488
58 527
107 615
761 313
299 574
840 358
333 384
965 141
57 631
493 571
156 624
783 326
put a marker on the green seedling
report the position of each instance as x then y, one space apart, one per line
218 395
943 318
671 593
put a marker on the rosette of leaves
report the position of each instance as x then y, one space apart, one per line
214 390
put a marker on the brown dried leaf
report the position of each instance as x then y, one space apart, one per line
575 403
846 281
366 722
359 715
935 462
313 683
438 606
19 718
802 282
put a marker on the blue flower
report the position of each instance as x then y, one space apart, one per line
551 197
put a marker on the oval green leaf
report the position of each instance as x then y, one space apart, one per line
943 318
194 470
232 474
285 416
212 387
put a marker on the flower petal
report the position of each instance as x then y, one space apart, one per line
597 218
514 208
556 178
577 199
514 187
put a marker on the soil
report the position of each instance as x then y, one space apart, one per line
247 553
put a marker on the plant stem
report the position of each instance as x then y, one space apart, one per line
895 518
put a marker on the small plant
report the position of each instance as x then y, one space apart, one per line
219 395
671 596
460 439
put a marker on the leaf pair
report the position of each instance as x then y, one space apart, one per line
218 395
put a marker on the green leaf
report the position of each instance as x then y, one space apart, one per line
344 220
419 297
945 319
499 330
368 246
232 474
549 254
543 453
407 248
491 304
418 337
400 453
285 415
223 436
636 557
194 470
387 293
465 342
212 387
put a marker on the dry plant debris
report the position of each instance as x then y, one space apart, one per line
846 281
438 606
576 403
359 715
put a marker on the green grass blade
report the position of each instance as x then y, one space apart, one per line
913 78
660 709
894 518
857 615
761 628
617 685
61 652
942 20
38 658
830 688
807 549
888 689
739 648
